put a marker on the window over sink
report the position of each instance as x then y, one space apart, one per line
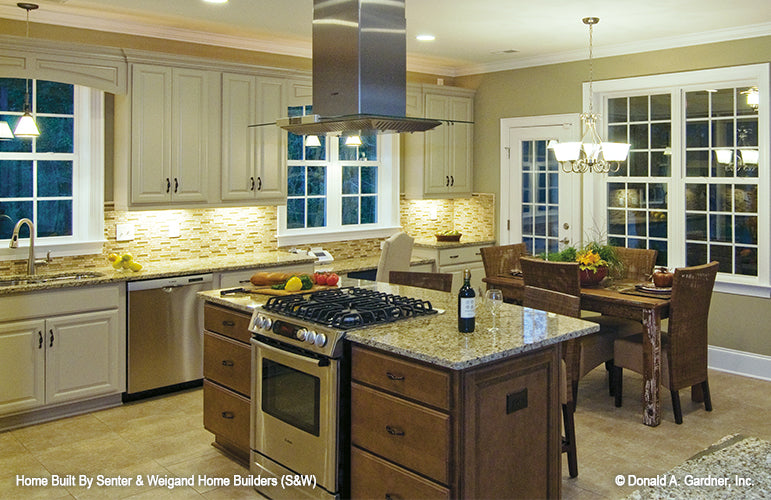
55 180
337 191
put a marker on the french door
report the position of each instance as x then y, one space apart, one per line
540 204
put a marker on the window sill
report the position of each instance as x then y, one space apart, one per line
56 249
325 236
762 291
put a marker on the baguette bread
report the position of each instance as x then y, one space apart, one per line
269 278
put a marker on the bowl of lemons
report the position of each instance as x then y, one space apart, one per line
124 262
450 235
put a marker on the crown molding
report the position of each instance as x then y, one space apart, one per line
60 16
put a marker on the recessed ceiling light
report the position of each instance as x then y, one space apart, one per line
425 38
216 1
504 51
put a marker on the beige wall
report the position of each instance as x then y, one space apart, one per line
736 322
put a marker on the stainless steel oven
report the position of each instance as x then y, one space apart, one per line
301 384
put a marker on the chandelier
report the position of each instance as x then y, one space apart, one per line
591 154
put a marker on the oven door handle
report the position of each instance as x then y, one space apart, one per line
300 358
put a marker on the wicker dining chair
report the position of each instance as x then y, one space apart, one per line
555 287
636 263
683 345
433 281
502 259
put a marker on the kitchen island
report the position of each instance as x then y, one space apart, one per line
437 413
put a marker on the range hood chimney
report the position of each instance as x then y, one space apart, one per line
359 70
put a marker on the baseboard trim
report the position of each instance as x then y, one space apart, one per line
743 363
47 414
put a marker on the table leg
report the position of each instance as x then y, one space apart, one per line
652 367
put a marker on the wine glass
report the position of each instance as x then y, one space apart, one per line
493 301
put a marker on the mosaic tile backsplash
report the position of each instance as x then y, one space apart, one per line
212 232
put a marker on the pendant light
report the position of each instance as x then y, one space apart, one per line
592 154
352 140
27 128
5 131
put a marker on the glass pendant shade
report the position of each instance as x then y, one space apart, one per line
26 127
5 131
615 151
750 156
312 141
724 155
353 140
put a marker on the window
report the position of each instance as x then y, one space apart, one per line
337 191
697 172
50 179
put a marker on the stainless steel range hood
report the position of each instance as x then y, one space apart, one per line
359 70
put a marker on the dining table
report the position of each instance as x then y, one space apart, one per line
623 300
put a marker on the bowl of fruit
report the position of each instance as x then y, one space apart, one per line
451 235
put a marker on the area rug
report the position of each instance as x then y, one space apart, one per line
734 467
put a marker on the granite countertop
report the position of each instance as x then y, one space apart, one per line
166 269
432 243
435 339
343 266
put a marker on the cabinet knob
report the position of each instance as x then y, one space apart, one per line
228 322
227 362
228 415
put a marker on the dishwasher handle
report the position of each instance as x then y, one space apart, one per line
173 282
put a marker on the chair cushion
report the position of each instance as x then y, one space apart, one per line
628 353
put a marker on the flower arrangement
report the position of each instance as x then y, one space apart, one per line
590 257
589 260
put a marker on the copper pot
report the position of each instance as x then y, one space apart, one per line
663 277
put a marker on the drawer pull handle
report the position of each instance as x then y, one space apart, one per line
394 431
388 496
51 332
454 256
228 415
227 322
391 376
227 362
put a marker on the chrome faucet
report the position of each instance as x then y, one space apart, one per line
15 242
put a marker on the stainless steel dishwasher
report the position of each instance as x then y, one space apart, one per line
165 338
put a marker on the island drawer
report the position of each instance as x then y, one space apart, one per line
227 362
403 377
373 477
416 437
226 414
227 322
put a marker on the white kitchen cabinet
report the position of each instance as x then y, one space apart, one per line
173 136
47 359
438 163
454 260
253 158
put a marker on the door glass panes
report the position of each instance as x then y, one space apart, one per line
540 197
722 180
37 175
638 211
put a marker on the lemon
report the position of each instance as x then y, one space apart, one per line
112 257
118 264
126 257
293 284
135 266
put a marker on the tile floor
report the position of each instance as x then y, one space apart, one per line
164 436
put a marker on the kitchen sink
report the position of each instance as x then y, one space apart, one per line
46 278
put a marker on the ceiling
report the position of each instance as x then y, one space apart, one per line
471 36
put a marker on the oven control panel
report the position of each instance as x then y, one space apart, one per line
304 336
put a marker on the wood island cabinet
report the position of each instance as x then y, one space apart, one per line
227 361
422 431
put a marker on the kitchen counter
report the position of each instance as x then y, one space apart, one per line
357 264
435 339
440 245
166 269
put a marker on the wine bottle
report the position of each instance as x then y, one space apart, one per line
466 304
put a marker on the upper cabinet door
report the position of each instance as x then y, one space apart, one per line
239 110
437 156
271 140
191 135
461 137
150 134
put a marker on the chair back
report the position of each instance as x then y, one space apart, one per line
638 263
688 324
502 259
432 281
395 255
563 277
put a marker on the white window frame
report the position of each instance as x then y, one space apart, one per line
595 192
387 204
87 186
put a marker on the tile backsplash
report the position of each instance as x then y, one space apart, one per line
212 232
